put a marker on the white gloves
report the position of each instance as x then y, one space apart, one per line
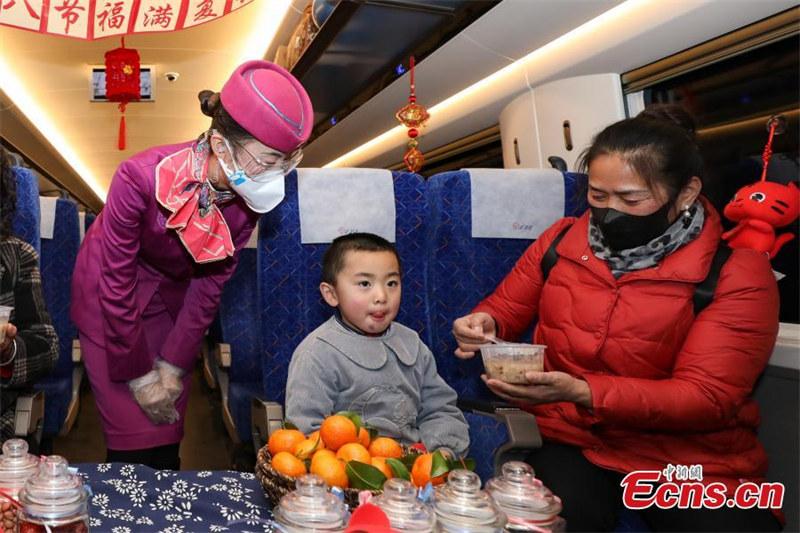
157 391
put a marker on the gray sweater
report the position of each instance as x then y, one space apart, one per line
390 381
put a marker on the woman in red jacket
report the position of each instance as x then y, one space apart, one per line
633 380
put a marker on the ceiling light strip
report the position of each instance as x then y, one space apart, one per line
395 135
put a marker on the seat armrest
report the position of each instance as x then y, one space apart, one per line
482 407
222 353
523 431
266 417
29 414
77 353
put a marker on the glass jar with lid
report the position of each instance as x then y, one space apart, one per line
311 508
406 513
54 500
528 504
16 466
462 507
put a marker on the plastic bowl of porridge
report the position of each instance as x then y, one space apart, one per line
509 361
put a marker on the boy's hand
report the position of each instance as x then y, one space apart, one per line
471 332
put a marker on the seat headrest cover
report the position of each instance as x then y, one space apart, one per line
268 102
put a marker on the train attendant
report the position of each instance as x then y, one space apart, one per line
151 269
637 377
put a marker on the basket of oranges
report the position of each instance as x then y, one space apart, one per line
345 454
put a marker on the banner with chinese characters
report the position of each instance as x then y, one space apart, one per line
96 19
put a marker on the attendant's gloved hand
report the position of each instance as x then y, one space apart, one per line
171 378
154 399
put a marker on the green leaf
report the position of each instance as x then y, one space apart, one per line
468 463
408 460
354 417
288 425
363 476
398 468
373 432
439 466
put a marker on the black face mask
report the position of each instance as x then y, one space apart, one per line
622 231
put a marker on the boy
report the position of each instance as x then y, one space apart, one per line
362 361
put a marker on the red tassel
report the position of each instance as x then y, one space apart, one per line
121 142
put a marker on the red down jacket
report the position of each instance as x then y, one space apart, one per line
667 387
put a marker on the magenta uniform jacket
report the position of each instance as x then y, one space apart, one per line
128 255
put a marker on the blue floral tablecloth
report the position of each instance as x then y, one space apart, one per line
127 498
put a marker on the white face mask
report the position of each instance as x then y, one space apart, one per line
261 196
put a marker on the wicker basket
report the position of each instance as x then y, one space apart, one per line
276 484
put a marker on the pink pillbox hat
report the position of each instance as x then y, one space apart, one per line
268 102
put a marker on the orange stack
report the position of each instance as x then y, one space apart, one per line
340 450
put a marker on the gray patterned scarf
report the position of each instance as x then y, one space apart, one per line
684 230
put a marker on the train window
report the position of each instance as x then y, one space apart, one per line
732 101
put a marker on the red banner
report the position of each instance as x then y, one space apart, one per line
97 19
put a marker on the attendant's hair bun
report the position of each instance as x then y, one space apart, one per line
209 102
674 114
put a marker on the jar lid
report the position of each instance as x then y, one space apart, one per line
406 513
462 504
16 464
312 507
52 492
520 495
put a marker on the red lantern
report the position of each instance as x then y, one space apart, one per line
122 82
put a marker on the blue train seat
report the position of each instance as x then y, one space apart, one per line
29 412
85 221
237 346
26 219
462 270
60 242
289 277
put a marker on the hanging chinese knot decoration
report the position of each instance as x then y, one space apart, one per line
122 82
412 116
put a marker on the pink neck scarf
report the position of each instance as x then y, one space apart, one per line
182 188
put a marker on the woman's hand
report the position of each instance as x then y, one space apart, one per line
5 348
155 400
544 387
471 331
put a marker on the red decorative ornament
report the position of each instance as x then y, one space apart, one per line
413 115
123 84
762 207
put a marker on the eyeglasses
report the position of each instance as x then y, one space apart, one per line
255 167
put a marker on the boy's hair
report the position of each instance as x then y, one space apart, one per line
333 260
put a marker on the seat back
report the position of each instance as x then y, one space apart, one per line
238 320
289 276
60 242
85 221
27 216
463 270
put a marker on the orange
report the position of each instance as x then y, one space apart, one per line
421 471
353 451
305 448
363 437
385 447
321 453
338 430
284 440
380 464
330 469
288 464
315 437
